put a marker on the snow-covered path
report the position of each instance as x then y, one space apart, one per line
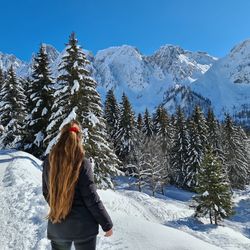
20 204
140 220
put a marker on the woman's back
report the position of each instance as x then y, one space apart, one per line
87 211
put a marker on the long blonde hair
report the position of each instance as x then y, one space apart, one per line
65 160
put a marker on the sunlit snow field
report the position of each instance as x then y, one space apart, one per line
140 220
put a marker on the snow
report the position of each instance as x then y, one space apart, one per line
39 138
45 111
75 87
226 83
92 118
1 128
72 116
140 220
206 193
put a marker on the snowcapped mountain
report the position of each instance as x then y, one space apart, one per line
7 60
24 69
181 66
172 76
227 84
140 220
145 79
183 95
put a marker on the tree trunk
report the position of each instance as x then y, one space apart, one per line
210 216
162 190
215 219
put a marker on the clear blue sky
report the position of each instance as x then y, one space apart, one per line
214 26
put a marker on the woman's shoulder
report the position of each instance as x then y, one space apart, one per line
86 172
87 164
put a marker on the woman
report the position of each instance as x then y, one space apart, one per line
76 210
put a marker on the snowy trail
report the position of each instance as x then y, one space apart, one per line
20 203
140 220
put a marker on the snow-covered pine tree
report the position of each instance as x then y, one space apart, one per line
198 141
214 196
155 163
40 103
111 115
2 79
236 156
195 157
245 148
147 127
139 122
13 111
140 172
77 98
27 89
201 124
180 149
125 135
162 127
214 133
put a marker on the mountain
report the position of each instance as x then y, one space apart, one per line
7 60
171 76
140 220
145 79
185 97
227 84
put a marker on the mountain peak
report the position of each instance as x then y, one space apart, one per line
51 51
241 48
6 60
123 50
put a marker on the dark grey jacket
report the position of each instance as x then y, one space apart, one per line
87 210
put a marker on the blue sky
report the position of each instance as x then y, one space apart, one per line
214 26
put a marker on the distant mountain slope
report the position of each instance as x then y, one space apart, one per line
145 79
227 84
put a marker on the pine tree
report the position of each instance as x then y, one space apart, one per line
77 98
236 156
163 128
214 133
198 142
155 163
139 122
147 127
2 79
195 157
140 172
214 196
125 135
40 102
180 149
201 124
13 111
111 114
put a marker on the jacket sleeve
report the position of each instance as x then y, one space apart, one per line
92 199
45 179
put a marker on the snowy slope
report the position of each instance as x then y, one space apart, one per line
7 60
140 221
124 68
227 83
